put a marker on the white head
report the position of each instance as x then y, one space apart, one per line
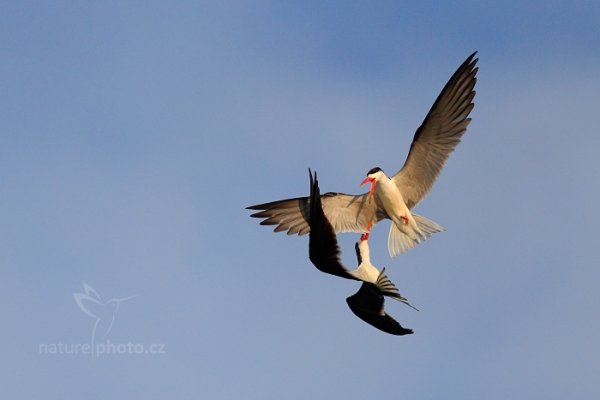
374 175
366 271
362 249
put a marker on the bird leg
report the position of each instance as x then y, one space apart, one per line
404 219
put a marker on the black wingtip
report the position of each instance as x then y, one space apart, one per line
469 62
314 183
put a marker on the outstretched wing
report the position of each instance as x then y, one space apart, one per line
323 248
345 212
367 304
439 134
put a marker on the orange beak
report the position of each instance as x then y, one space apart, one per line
373 183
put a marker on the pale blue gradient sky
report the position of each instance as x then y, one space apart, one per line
134 134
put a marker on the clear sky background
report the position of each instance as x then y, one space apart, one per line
134 134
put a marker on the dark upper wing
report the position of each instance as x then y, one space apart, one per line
367 304
439 134
345 212
323 248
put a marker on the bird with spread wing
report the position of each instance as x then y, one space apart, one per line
393 197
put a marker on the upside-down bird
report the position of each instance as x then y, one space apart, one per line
324 252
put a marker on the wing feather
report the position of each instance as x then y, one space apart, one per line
323 247
439 134
368 305
345 212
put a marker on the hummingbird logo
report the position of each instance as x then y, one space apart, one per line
104 312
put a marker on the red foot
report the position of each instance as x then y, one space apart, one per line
364 236
404 219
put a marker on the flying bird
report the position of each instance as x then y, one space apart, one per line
393 197
324 252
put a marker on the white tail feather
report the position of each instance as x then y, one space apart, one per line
427 226
399 242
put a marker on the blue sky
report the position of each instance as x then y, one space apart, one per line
134 134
